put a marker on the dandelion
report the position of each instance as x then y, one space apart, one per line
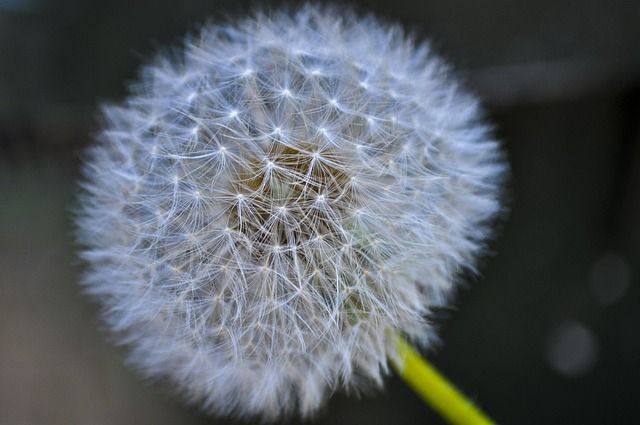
278 200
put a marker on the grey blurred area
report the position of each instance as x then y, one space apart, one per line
548 334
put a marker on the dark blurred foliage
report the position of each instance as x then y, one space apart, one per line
548 334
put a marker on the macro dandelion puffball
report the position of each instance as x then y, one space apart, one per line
279 198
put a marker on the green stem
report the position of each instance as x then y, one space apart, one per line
435 389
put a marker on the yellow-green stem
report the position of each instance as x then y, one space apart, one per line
435 389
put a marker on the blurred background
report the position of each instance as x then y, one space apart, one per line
548 334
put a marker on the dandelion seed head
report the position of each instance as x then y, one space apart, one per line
320 189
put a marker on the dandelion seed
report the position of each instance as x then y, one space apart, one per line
284 267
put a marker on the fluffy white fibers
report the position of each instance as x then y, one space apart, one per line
278 199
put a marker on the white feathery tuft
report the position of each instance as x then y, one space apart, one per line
264 213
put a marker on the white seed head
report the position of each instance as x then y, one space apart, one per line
265 212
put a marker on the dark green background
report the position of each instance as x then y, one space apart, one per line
561 81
